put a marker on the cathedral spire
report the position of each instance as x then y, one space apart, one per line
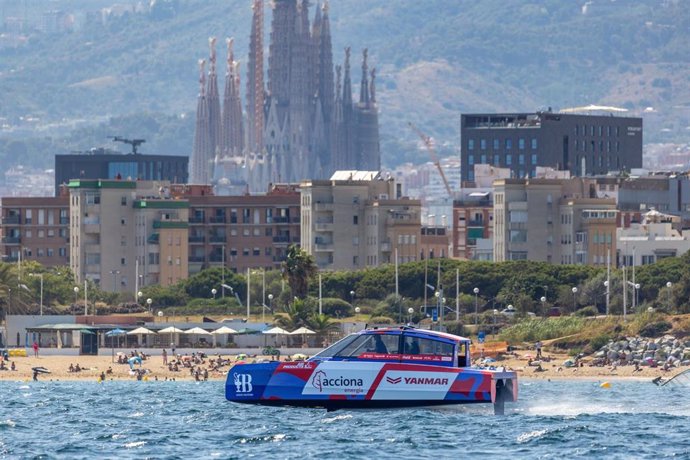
214 114
364 85
372 87
255 79
201 152
232 140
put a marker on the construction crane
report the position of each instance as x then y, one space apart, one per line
135 143
429 144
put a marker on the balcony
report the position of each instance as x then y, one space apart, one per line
196 220
476 223
196 239
284 239
197 259
319 206
281 220
218 239
323 247
216 258
64 220
217 220
10 220
11 240
323 227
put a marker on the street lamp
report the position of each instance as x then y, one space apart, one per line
40 275
76 298
149 301
543 306
270 302
495 313
409 312
608 296
476 304
352 297
357 310
637 289
115 273
139 296
669 285
574 298
214 291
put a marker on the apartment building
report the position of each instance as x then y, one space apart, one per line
35 228
553 220
655 237
125 234
473 216
667 193
582 144
435 242
244 232
358 219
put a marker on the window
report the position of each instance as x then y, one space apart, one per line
497 160
421 346
123 201
123 261
521 159
483 158
62 252
371 343
509 144
257 232
355 260
122 221
509 159
534 144
470 160
355 220
245 252
482 144
355 241
256 252
521 144
470 144
497 144
51 233
534 158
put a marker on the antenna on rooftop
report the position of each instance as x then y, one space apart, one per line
135 143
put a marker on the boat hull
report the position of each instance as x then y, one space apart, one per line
356 384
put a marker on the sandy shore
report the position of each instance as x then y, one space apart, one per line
93 366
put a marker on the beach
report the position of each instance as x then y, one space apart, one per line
552 367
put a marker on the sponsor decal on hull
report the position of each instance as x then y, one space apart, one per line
338 378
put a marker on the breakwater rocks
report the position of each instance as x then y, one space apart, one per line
666 350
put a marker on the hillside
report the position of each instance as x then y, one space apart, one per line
435 58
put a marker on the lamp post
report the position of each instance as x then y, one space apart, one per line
543 306
495 313
270 302
149 301
574 298
409 312
438 304
637 289
608 296
214 291
476 304
40 275
76 298
669 285
352 297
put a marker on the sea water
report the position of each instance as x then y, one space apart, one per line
156 419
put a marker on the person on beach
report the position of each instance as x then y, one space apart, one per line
537 346
35 347
13 367
165 357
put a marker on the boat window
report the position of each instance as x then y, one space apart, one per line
337 347
420 346
371 343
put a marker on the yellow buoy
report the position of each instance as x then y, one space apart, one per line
605 385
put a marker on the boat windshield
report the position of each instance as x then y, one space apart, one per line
336 347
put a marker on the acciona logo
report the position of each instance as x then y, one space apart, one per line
243 383
322 382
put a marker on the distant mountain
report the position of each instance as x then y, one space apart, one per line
435 60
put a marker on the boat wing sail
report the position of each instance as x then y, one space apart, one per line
682 378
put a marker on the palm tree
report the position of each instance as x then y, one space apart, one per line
293 315
298 267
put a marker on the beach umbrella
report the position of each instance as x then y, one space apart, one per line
246 330
303 331
275 331
117 332
139 332
197 331
171 330
222 330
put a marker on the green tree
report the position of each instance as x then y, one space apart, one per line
294 315
298 268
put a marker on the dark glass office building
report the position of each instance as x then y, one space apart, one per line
585 145
97 165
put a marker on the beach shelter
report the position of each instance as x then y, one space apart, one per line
276 331
140 332
303 331
197 331
220 331
172 330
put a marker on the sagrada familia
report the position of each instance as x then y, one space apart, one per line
302 124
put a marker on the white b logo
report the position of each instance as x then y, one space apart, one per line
243 383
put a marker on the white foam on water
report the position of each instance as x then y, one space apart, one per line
524 437
336 418
137 414
132 445
24 387
9 423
